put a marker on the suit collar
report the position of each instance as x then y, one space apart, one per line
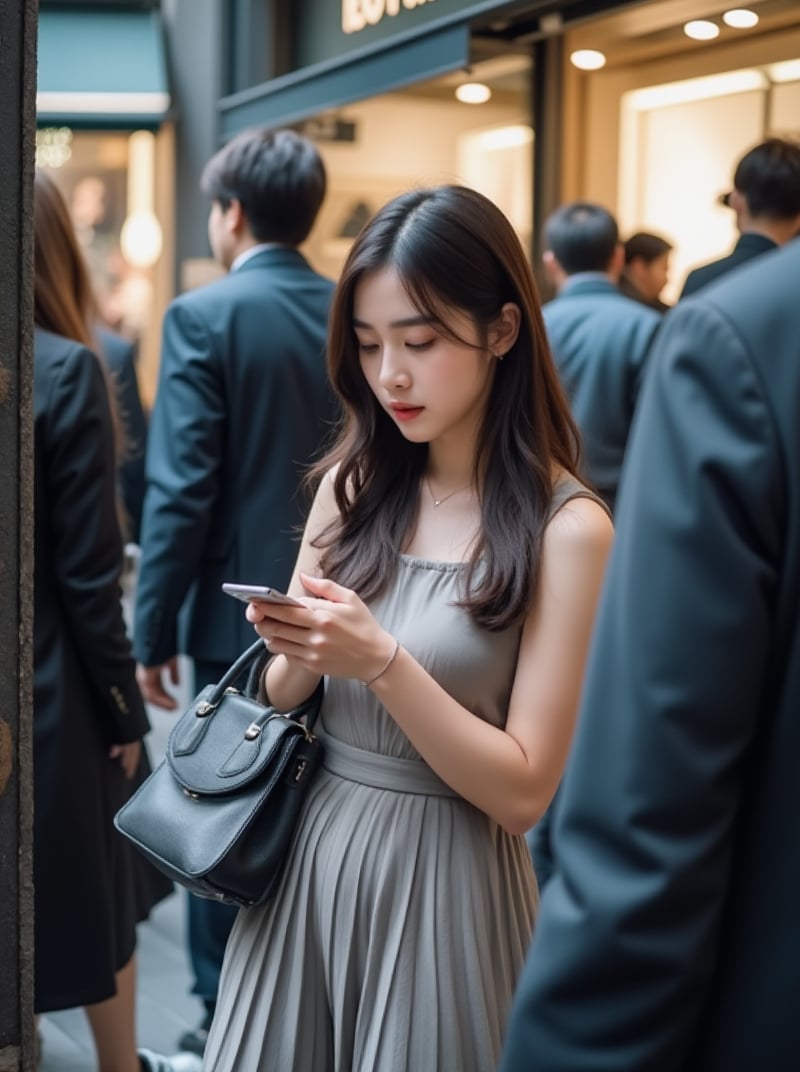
755 243
588 283
270 255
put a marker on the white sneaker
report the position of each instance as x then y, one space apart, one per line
181 1062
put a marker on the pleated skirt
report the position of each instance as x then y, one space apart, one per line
396 937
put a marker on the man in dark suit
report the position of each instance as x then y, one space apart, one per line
599 338
600 342
668 937
243 405
766 200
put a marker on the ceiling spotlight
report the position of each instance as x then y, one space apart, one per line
740 19
473 93
701 30
587 59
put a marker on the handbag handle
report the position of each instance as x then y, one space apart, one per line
308 708
235 671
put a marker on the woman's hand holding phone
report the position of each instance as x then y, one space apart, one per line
333 632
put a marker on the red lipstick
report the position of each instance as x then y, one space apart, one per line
403 412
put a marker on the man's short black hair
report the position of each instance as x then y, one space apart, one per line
769 178
648 247
582 237
277 176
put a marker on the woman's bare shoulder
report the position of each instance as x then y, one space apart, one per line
581 525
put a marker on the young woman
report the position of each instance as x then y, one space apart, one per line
449 573
91 887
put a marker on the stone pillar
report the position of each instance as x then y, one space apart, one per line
18 19
547 125
195 43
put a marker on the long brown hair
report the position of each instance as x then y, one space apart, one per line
63 299
452 248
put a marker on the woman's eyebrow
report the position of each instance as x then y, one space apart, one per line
407 322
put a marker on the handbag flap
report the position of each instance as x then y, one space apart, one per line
232 745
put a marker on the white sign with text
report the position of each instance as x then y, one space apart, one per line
358 14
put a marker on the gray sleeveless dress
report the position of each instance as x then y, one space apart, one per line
404 915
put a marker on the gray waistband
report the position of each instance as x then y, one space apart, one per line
381 772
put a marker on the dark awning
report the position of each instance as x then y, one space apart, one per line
333 83
102 69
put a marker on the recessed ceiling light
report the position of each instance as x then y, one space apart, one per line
701 30
740 18
588 59
473 93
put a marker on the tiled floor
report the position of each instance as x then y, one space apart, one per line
165 1006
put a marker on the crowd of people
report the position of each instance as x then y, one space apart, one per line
548 570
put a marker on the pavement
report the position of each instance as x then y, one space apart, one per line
165 1008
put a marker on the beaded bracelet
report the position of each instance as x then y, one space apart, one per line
385 666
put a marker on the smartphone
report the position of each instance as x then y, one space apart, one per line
259 593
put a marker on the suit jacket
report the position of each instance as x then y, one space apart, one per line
85 696
668 938
600 342
243 404
748 246
119 355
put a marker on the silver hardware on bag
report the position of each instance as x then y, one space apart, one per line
204 708
219 814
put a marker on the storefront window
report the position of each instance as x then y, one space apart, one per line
423 136
107 179
655 133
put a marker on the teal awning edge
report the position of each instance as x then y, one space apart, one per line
331 84
102 69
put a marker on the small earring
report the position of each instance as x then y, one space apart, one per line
499 356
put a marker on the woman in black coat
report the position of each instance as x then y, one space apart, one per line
89 718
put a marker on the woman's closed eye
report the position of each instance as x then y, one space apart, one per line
425 344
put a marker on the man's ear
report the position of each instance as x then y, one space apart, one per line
504 331
738 202
234 216
617 262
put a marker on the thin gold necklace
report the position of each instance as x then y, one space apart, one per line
438 502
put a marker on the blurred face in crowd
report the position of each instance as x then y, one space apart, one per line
651 277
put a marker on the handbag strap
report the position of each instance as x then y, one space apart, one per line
231 675
308 709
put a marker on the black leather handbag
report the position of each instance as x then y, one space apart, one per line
218 813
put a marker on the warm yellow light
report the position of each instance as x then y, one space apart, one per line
510 137
141 239
587 59
701 30
785 71
473 93
740 19
696 89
